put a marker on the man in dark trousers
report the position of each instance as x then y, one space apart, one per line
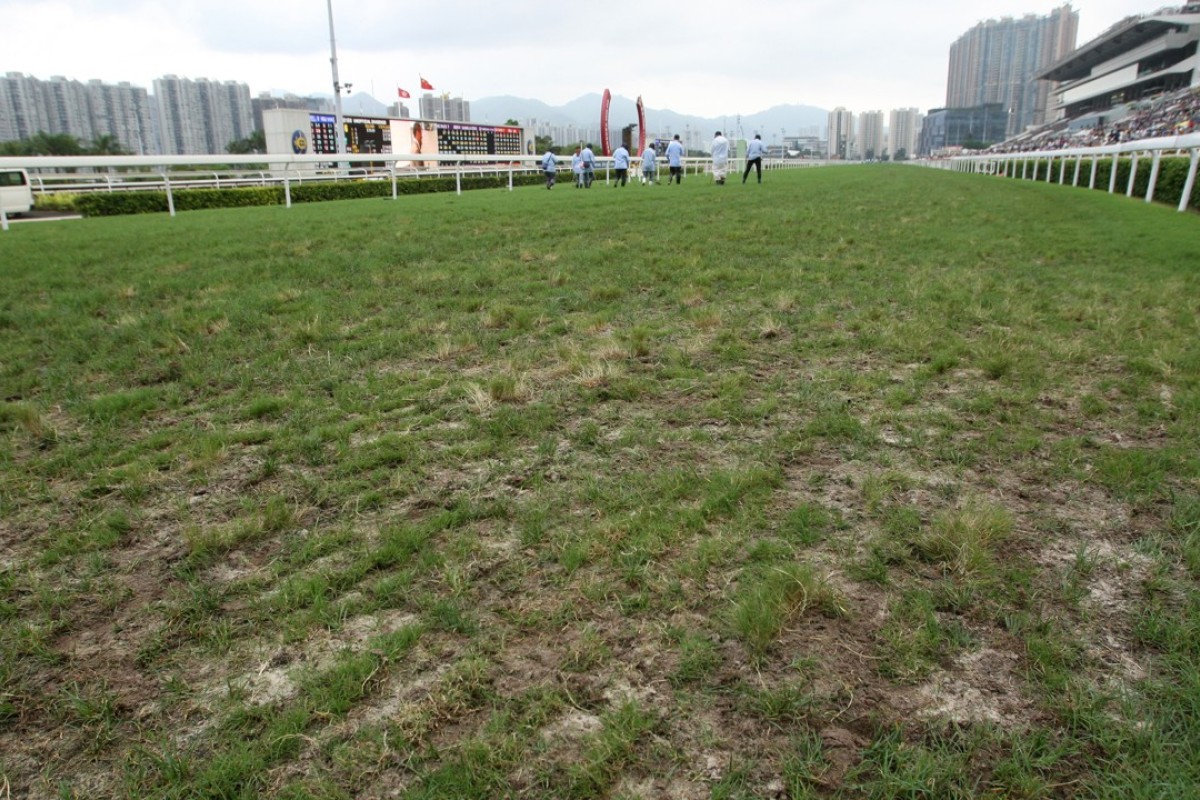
754 156
675 160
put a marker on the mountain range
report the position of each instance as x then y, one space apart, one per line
584 112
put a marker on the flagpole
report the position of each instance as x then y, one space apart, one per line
340 131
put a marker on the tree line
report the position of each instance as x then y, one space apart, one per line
64 144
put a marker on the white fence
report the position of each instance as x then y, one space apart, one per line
54 174
1028 166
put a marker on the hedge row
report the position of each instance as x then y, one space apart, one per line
1172 174
107 204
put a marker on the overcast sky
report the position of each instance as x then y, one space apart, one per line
701 58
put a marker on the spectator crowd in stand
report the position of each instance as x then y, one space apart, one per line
1169 115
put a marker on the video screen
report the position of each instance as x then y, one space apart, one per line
478 140
368 136
323 139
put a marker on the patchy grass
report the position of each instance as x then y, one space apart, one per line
864 482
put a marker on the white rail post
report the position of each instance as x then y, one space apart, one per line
458 179
1112 179
510 172
170 195
1092 177
1062 173
1078 161
287 191
1132 174
1153 176
1050 169
1190 183
392 171
1036 163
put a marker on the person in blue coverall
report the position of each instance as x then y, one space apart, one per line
649 164
588 161
675 160
620 159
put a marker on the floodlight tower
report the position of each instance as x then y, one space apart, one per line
339 131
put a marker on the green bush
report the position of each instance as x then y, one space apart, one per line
1172 174
63 201
105 204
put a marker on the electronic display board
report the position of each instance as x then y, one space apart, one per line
478 140
323 137
368 135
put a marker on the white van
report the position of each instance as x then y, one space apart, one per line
16 195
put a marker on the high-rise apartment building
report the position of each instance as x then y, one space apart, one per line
202 117
445 108
871 142
88 112
841 134
904 130
997 62
124 113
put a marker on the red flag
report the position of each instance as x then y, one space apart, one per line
403 94
426 85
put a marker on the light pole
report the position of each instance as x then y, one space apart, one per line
340 130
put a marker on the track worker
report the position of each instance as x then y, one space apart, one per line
649 164
675 160
588 161
720 158
620 159
754 156
577 167
550 167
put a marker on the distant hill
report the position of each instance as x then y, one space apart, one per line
495 110
363 104
585 112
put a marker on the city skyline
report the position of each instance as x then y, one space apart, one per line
689 64
998 62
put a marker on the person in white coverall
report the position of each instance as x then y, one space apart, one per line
720 158
550 167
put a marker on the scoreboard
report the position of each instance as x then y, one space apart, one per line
363 135
324 136
303 131
368 135
478 140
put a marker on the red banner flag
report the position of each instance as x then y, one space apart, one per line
403 94
426 85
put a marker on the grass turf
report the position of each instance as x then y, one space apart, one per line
865 482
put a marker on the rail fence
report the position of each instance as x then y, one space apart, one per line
1059 166
51 175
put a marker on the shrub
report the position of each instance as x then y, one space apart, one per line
1172 174
105 204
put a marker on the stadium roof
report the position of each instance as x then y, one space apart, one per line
1127 34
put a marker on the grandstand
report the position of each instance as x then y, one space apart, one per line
1139 79
1138 58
